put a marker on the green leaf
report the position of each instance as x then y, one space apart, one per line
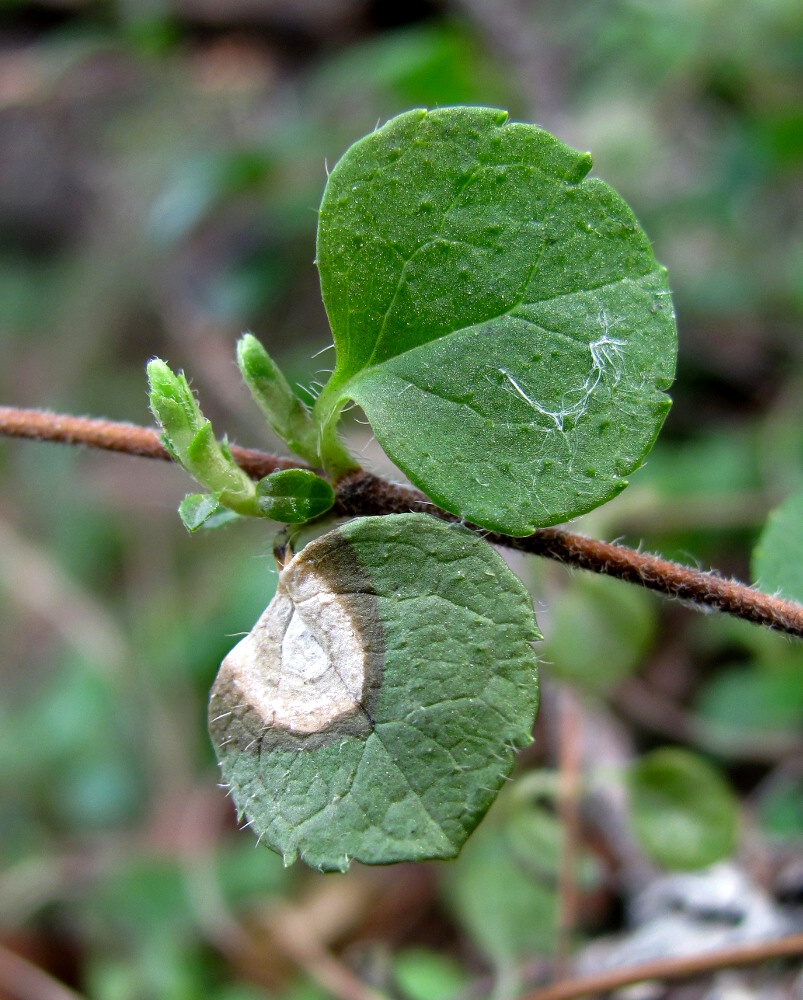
503 889
203 510
502 322
780 806
294 495
684 814
374 710
285 412
778 556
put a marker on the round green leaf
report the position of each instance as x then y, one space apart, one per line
684 814
501 320
294 495
374 710
778 557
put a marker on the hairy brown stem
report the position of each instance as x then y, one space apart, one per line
670 968
361 493
109 435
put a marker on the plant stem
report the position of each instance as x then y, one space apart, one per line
110 435
570 744
364 493
360 493
336 459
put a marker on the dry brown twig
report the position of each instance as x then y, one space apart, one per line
362 493
670 968
569 785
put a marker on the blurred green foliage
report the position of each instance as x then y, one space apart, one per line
684 814
600 631
778 555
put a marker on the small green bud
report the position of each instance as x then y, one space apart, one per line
284 411
191 440
173 405
294 495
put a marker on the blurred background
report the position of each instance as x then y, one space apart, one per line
161 163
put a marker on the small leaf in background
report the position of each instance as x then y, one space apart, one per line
374 710
778 556
294 495
68 749
600 630
421 974
780 806
754 699
413 65
144 915
503 888
506 911
201 184
683 812
501 320
535 835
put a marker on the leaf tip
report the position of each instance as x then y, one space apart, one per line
580 168
159 374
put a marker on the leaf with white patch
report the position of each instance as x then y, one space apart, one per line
374 710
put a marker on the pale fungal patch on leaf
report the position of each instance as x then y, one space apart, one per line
303 665
311 662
